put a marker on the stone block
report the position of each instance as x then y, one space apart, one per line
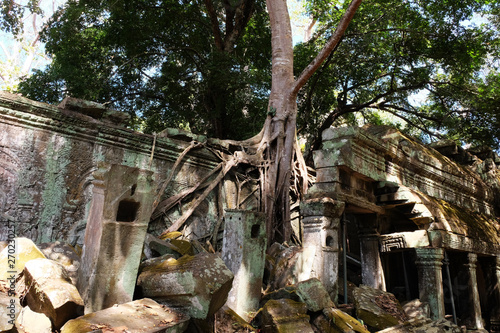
378 309
285 315
417 309
314 295
24 250
243 252
114 237
92 109
140 316
30 321
335 321
198 285
228 321
51 292
286 267
310 292
64 254
425 325
9 311
322 207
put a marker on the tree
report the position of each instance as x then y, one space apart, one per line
279 132
194 64
20 49
393 51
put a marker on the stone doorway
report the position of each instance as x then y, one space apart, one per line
401 275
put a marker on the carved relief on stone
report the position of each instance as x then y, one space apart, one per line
391 243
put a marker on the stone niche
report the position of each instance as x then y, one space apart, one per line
243 252
116 228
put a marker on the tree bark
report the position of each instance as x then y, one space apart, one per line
280 127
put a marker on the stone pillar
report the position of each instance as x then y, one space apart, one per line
244 253
430 279
116 227
320 258
476 318
495 312
372 273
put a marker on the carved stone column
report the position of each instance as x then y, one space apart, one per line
372 272
430 279
116 227
321 221
495 312
244 253
476 318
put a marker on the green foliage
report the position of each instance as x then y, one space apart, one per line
392 51
160 61
13 12
163 62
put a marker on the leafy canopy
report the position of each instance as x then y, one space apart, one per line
193 64
392 51
205 65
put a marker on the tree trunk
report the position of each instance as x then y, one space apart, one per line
280 127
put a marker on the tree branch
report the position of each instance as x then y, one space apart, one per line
329 47
215 24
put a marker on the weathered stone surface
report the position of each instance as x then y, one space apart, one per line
424 326
243 252
377 309
198 285
285 315
228 321
117 225
310 292
9 311
321 221
156 247
48 157
284 271
313 293
140 316
417 309
64 254
30 321
92 109
335 321
51 292
24 250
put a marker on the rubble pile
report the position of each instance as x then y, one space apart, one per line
186 291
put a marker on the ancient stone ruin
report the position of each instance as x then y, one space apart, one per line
109 230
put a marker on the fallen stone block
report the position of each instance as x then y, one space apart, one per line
198 285
9 311
51 292
64 254
311 292
140 316
285 315
378 309
156 247
417 309
438 326
424 325
24 250
285 269
156 261
336 321
30 321
228 321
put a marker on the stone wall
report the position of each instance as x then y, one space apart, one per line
48 155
